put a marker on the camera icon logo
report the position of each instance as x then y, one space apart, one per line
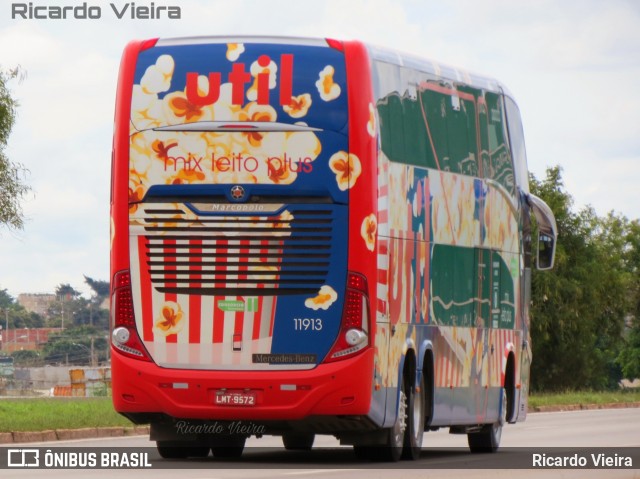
23 458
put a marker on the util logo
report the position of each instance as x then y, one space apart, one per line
239 77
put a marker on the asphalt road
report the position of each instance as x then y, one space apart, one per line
608 431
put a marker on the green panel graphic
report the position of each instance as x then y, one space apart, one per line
466 282
453 274
436 128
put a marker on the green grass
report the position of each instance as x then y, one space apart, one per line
69 413
57 413
584 398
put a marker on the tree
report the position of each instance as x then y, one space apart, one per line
16 315
66 351
96 315
71 309
100 288
77 345
27 358
12 186
579 308
6 300
66 292
629 358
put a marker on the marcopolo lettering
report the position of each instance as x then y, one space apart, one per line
239 77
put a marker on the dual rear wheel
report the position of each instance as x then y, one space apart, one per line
404 439
488 438
232 448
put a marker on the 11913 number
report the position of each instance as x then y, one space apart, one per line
307 324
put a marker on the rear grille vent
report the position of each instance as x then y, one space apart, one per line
280 254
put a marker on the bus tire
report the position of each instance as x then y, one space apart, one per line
488 438
298 441
392 450
180 450
415 421
364 453
233 448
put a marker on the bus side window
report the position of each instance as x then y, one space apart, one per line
516 140
547 232
546 250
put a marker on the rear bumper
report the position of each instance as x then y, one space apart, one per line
341 388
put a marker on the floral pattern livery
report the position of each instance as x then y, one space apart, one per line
170 320
372 124
296 87
325 298
369 231
234 50
347 168
329 90
299 106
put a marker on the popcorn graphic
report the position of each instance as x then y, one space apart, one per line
157 77
347 168
234 50
368 231
325 298
170 320
299 106
372 124
326 87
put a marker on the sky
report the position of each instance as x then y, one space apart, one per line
572 65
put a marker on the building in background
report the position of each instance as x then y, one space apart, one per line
25 339
37 302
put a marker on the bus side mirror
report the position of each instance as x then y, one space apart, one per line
546 251
548 231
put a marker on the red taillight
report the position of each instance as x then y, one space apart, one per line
354 328
124 336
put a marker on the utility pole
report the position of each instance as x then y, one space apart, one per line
5 338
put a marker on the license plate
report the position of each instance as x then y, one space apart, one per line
235 398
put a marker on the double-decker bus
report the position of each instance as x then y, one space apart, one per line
318 237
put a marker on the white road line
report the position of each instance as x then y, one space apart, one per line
315 471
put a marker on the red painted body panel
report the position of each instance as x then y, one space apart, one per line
341 387
338 388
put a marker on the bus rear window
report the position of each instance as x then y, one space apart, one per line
227 83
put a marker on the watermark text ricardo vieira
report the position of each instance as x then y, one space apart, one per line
576 460
87 11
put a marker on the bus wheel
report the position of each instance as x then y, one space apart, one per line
233 448
488 438
365 453
392 451
298 441
415 421
180 450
